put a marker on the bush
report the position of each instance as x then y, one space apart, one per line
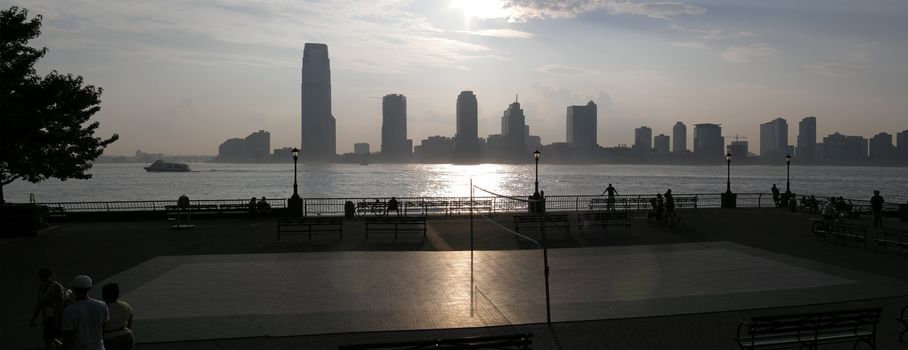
22 219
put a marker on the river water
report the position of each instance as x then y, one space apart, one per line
112 182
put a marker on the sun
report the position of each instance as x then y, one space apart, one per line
482 9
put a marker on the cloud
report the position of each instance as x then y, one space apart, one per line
713 34
524 10
690 44
500 33
749 53
837 69
565 70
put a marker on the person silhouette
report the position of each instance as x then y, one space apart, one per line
775 195
611 191
670 214
876 206
393 206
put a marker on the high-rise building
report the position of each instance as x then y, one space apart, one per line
708 141
661 143
466 140
581 126
361 149
318 135
679 133
394 143
643 139
807 140
774 139
901 144
513 130
881 148
739 149
254 148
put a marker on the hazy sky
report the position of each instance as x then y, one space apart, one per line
182 76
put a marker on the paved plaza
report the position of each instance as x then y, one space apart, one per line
647 288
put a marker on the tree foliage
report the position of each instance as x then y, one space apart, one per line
45 127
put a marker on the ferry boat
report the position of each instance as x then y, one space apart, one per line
162 166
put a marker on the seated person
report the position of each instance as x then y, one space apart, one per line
829 211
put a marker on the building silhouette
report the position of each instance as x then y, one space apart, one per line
255 148
466 139
581 128
435 149
774 139
881 148
838 148
394 143
739 149
661 143
361 148
513 132
708 142
643 139
807 140
901 144
679 133
318 134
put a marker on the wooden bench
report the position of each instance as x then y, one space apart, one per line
839 230
502 342
886 237
56 212
309 225
550 221
903 319
603 219
685 202
396 224
809 330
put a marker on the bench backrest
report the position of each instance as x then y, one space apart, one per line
395 219
308 220
817 323
503 342
539 218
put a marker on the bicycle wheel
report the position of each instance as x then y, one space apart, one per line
820 228
360 211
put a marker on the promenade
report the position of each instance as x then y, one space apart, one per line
228 285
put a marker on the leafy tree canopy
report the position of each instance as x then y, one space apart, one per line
45 131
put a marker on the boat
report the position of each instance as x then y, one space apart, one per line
162 166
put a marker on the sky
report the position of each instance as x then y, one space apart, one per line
182 76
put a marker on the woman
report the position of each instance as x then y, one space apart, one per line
117 331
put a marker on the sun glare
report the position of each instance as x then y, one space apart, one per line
480 8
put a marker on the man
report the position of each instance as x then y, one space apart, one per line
49 306
775 195
610 205
876 206
83 321
670 214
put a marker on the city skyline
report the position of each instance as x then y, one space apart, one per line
217 70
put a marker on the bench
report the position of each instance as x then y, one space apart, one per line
809 330
463 207
903 319
886 237
603 220
56 212
553 221
841 230
309 225
685 202
502 342
396 224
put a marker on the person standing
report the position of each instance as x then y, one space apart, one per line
393 206
876 206
49 307
670 215
775 195
610 204
83 321
118 331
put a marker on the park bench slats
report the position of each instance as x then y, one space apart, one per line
603 220
396 224
551 221
809 329
309 225
887 237
840 230
500 342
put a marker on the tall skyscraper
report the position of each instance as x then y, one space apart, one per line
643 139
660 143
774 139
394 143
807 140
318 138
881 148
708 141
466 140
679 133
513 130
901 144
581 126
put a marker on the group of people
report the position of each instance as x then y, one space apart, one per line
663 206
259 207
73 320
840 207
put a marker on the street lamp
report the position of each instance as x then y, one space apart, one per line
728 175
787 175
296 203
536 158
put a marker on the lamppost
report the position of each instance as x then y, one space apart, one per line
295 203
536 158
729 200
787 175
728 175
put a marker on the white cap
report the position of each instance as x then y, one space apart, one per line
81 281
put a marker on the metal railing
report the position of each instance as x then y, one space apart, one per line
153 206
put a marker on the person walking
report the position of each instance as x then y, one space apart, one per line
49 307
670 214
611 191
876 206
118 331
775 195
83 321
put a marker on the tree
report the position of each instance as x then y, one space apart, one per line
45 130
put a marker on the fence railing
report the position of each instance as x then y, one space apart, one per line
157 205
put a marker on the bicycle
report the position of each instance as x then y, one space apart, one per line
376 208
